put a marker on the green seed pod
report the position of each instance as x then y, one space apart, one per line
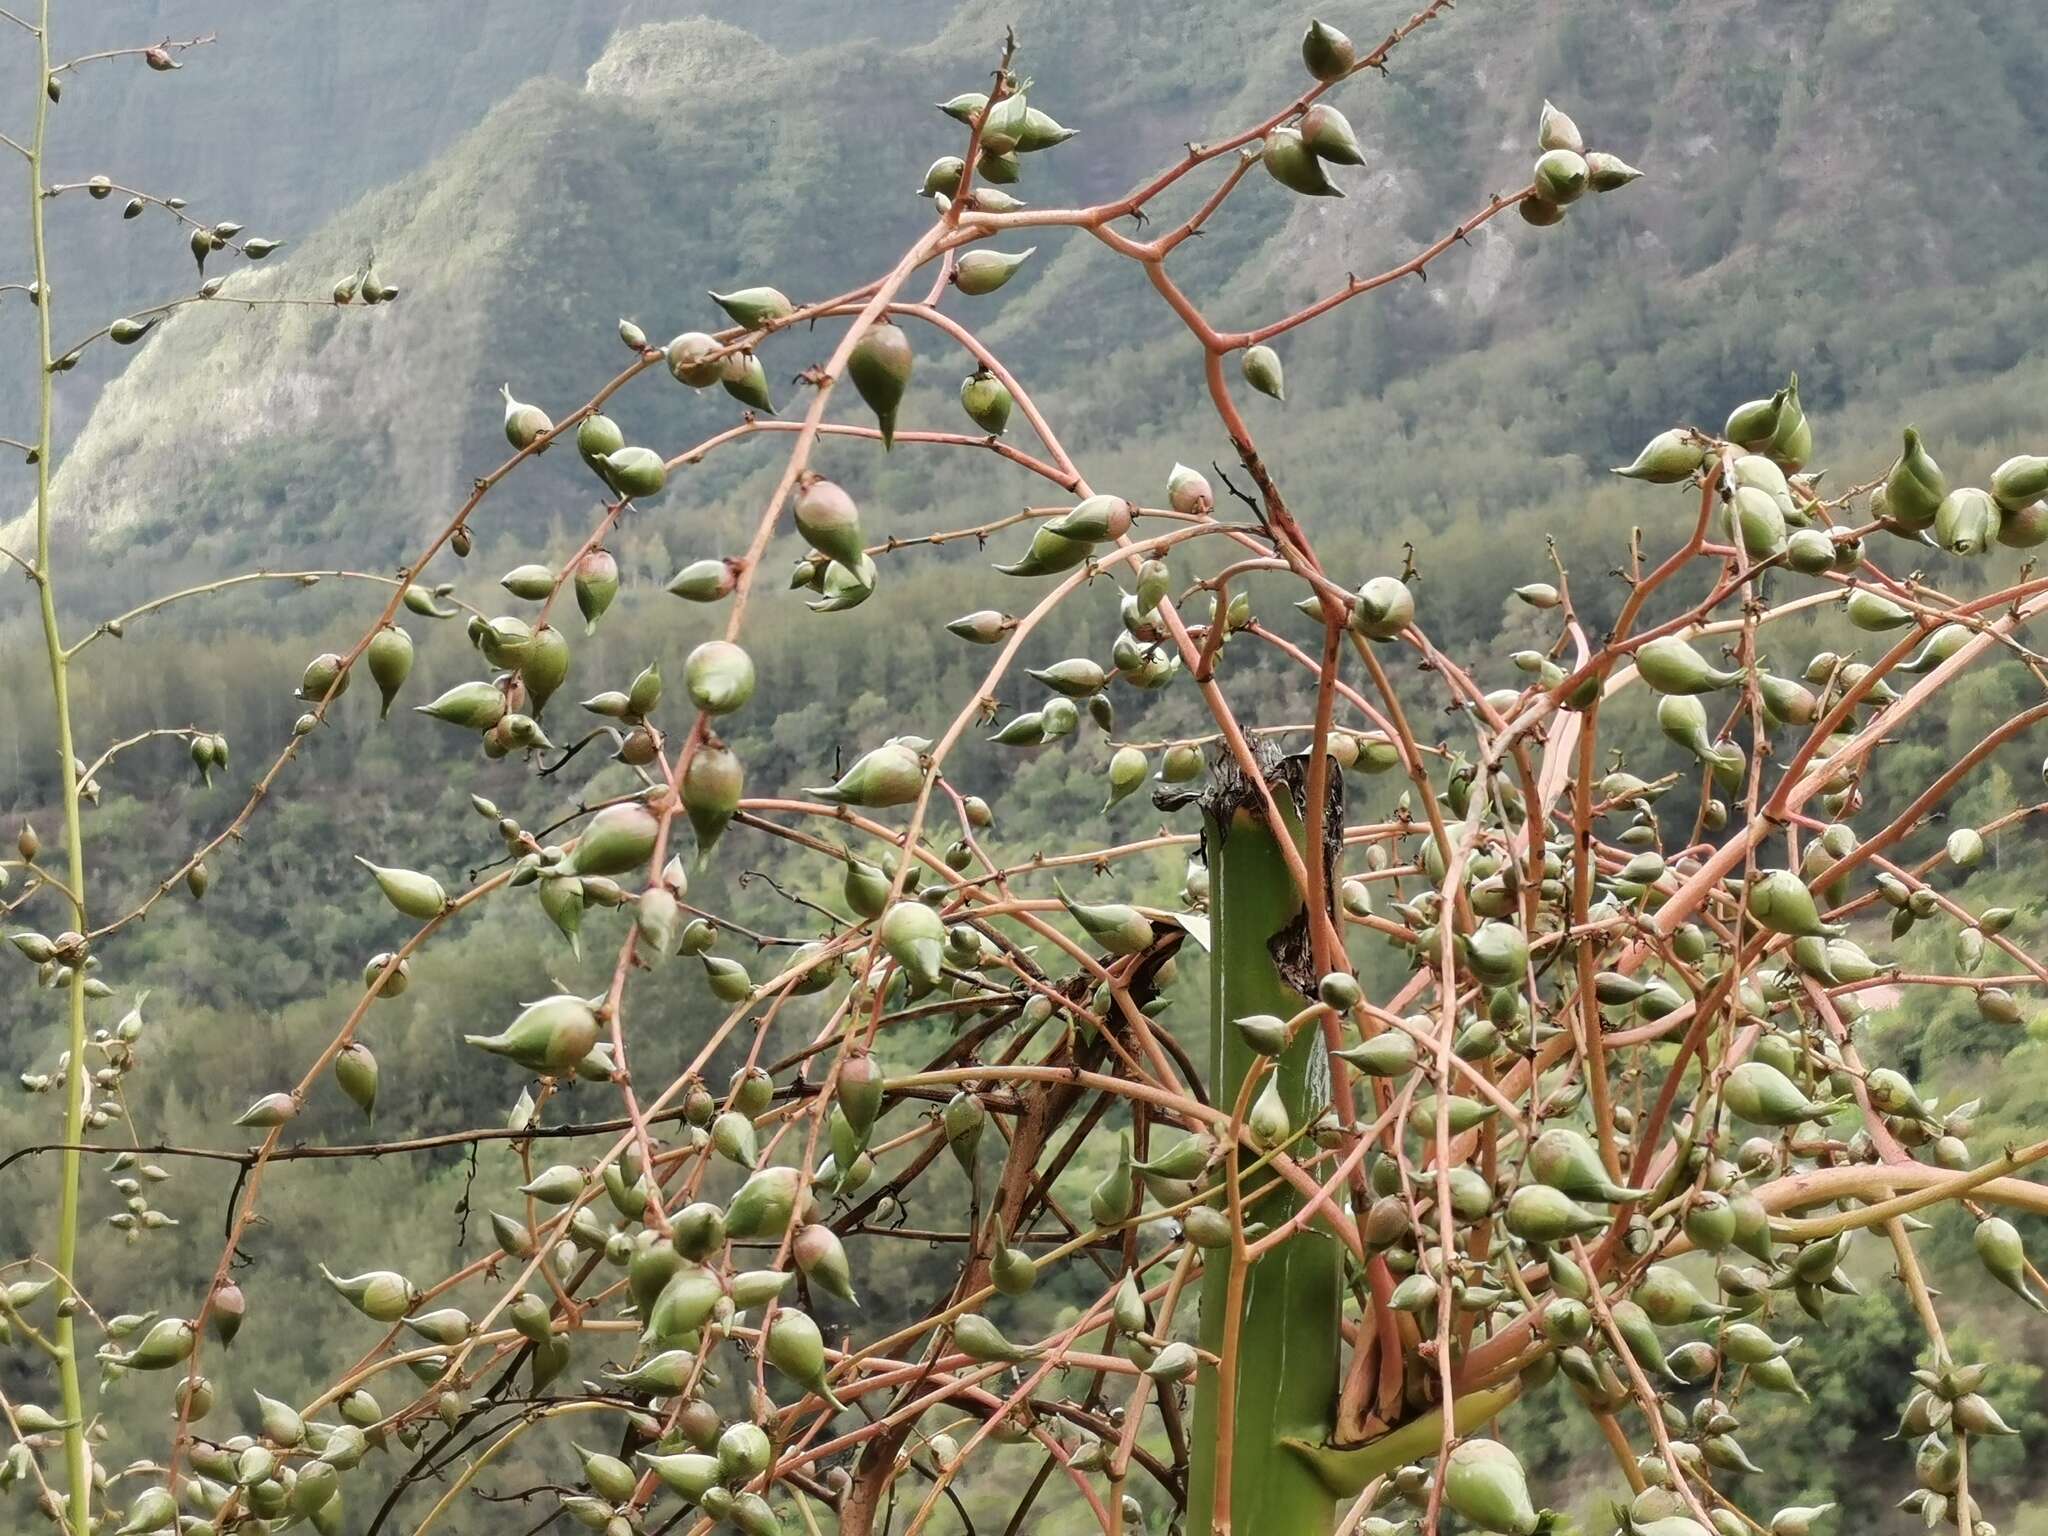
1810 552
382 1295
1484 1483
355 1073
619 839
1758 1092
1999 1250
558 1185
1915 487
795 1347
1967 521
979 1339
1099 517
1267 1119
2024 527
915 937
2020 481
891 775
1391 1053
1556 130
1560 176
764 1204
1289 161
728 979
822 1258
753 308
880 366
685 1304
524 424
324 678
747 381
1384 608
1758 524
390 661
689 1474
1115 1199
705 581
549 1037
695 359
1608 173
1670 665
1667 459
1327 53
1754 423
828 519
1041 130
412 893
635 474
597 438
448 1326
987 402
1049 553
1536 1213
1076 677
1566 1160
1498 954
719 676
1261 367
981 271
1780 901
1791 444
1127 767
1120 929
1328 136
712 784
943 175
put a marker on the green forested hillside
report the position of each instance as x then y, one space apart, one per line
1845 187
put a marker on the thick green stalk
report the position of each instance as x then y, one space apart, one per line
78 1488
1288 1341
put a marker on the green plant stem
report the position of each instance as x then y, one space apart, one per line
64 1334
1283 1369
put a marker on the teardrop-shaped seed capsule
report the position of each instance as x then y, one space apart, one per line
987 402
719 676
1560 176
695 359
1328 53
390 661
1667 459
981 272
355 1073
712 784
1484 1483
1385 607
636 474
524 424
705 581
1967 521
746 380
1915 485
1289 161
1261 367
880 367
549 1037
1609 173
828 519
755 307
414 894
1328 136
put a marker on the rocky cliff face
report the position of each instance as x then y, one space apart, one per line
1818 172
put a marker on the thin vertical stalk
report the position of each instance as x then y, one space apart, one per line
78 1489
1274 1321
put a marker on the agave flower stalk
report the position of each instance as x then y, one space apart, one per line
1283 1369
